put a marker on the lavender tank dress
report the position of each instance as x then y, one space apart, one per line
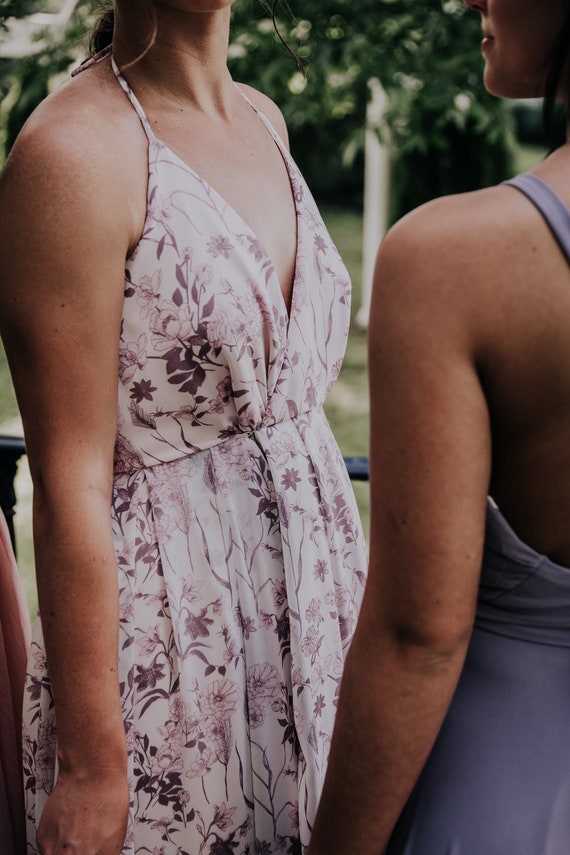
498 779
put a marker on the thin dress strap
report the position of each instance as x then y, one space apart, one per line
550 205
133 99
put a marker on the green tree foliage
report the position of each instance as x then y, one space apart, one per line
16 8
446 133
25 81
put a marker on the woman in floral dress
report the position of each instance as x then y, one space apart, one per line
198 594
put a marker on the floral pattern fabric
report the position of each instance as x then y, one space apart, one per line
239 549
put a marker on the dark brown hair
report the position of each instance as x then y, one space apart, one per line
558 82
102 35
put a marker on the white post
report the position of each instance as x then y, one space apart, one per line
376 194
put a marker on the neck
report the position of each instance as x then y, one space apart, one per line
175 55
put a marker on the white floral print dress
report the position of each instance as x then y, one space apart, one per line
240 555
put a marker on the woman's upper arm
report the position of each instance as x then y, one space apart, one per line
430 438
63 242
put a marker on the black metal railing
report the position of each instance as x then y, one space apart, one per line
12 448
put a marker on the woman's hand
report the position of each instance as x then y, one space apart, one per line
86 814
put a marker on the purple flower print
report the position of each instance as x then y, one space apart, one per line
140 417
171 487
294 816
203 765
132 357
311 642
320 570
221 699
127 608
197 625
220 245
290 479
320 244
256 715
159 208
162 825
126 456
223 816
236 326
142 391
45 770
219 329
313 612
147 678
149 641
279 593
224 392
170 325
263 682
166 760
310 395
255 248
40 659
320 704
148 292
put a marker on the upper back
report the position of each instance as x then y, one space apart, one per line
526 371
485 284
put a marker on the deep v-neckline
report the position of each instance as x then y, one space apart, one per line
217 195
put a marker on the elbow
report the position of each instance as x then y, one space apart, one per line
435 637
431 648
419 642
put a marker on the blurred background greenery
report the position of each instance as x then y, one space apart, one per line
445 134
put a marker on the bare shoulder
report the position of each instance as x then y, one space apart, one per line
73 152
463 258
474 234
269 108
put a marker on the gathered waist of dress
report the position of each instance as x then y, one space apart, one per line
159 450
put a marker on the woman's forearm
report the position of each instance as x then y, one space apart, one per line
78 598
393 699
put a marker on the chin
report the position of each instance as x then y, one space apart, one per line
505 87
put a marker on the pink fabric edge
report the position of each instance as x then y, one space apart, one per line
14 644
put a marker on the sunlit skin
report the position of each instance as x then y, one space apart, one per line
469 365
77 180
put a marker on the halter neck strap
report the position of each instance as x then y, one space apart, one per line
133 99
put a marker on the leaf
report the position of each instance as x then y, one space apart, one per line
208 307
180 277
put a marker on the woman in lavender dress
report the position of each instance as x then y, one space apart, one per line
171 298
453 729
